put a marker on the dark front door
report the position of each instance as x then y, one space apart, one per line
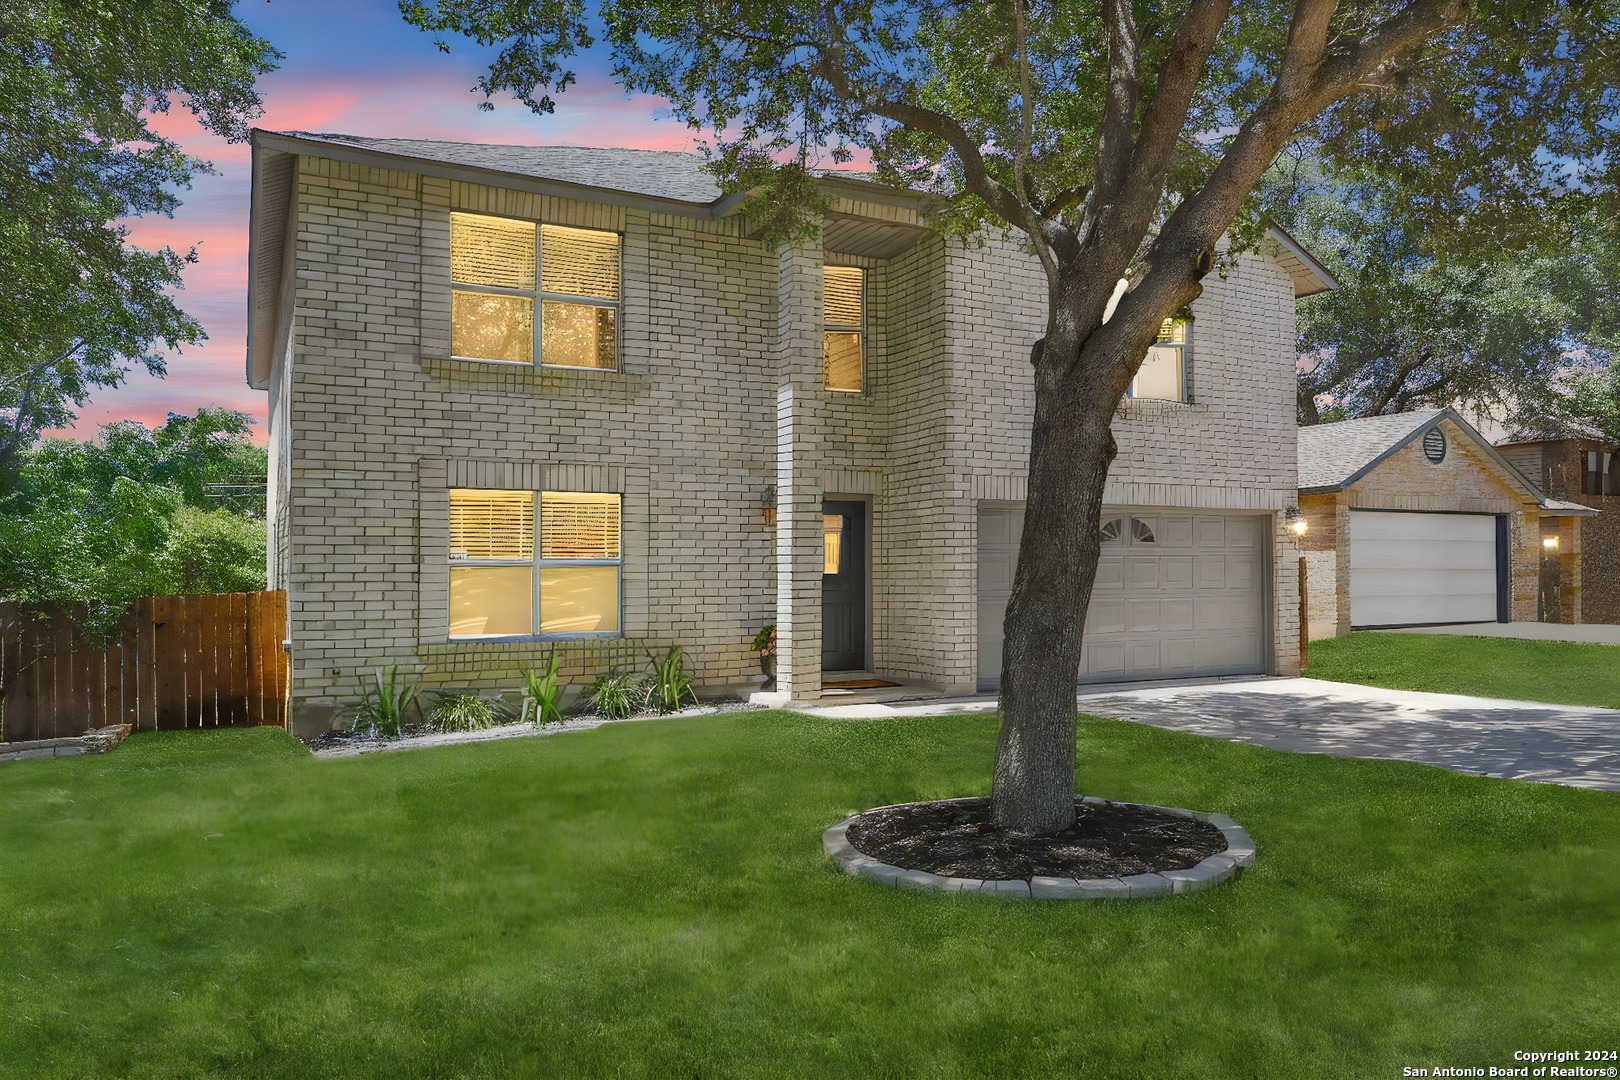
843 586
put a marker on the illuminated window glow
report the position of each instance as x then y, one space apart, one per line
496 265
844 328
504 584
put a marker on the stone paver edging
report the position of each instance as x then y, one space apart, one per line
95 741
1217 868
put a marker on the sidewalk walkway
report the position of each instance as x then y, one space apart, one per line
1593 633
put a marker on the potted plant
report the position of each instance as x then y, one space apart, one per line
765 645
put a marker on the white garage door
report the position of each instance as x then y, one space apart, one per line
1176 594
1407 569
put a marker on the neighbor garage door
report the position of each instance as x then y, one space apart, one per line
1176 595
1408 569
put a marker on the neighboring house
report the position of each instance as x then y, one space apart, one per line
537 398
1415 519
1582 468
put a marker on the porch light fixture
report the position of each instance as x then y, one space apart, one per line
1296 521
1550 543
768 504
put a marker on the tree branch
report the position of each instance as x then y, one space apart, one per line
1296 97
1115 146
996 194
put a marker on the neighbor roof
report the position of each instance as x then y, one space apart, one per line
1334 456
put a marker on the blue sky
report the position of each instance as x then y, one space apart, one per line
351 66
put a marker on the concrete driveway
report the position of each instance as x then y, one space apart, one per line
1520 740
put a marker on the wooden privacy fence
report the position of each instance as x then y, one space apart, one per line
214 660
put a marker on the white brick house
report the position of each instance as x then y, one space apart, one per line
460 487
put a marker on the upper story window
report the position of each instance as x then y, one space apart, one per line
499 588
501 268
844 328
1599 466
1163 375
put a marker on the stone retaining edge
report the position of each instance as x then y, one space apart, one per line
97 741
1222 866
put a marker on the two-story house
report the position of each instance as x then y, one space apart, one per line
537 398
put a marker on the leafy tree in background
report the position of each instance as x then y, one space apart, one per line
78 84
1122 138
1413 325
133 514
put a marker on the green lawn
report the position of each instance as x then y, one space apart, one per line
652 900
1559 672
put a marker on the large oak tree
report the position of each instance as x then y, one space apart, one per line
1123 138
80 82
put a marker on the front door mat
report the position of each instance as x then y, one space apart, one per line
856 684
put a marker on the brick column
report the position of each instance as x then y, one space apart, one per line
798 472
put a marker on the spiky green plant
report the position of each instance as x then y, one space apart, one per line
541 693
386 702
463 712
617 696
671 685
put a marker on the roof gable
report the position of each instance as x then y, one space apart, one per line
1332 457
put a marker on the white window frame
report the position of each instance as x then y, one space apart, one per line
537 563
539 296
1182 349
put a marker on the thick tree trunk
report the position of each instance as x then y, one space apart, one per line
1070 451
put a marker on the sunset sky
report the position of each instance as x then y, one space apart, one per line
351 66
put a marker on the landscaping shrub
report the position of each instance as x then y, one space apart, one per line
670 683
464 712
386 703
616 696
540 692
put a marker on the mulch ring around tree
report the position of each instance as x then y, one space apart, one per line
956 839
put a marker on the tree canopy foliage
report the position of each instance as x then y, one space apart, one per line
1122 137
79 85
138 512
1413 325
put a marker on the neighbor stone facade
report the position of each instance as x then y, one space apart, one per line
717 412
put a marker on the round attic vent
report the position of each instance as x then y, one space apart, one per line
1434 445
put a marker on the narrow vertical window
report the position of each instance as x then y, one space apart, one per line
579 306
579 563
501 269
1163 374
844 328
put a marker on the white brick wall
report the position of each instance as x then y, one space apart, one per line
718 398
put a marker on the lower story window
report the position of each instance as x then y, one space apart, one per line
504 584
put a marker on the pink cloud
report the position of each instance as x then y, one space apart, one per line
416 98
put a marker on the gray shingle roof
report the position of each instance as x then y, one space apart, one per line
1330 454
662 174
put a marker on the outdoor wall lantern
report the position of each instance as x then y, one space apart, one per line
768 504
1550 543
1296 521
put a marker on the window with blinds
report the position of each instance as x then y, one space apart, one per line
501 269
843 328
1163 374
503 585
